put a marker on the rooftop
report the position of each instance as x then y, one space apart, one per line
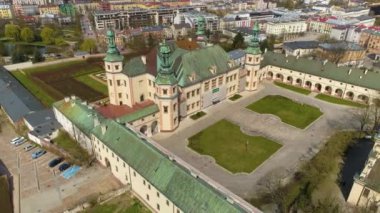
301 45
373 178
236 54
350 46
14 98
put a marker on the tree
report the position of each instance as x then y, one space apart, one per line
47 35
2 60
377 21
363 115
18 56
268 43
238 41
376 114
12 31
37 56
60 41
27 34
88 45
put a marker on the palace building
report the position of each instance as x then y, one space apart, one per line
154 92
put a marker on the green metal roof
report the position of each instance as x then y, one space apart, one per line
79 114
165 79
113 57
253 45
134 67
329 70
175 182
139 114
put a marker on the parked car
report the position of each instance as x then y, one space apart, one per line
18 143
14 140
38 153
29 147
63 167
55 162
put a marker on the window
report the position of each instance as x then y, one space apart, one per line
110 82
249 59
158 206
120 95
207 85
118 82
165 91
123 164
192 105
167 202
366 192
188 95
134 174
255 73
174 106
188 107
220 81
150 82
175 120
126 177
165 109
108 67
234 76
148 186
198 91
192 93
213 83
158 194
178 211
125 83
117 159
144 182
116 67
147 197
197 103
249 73
173 89
116 169
113 155
246 84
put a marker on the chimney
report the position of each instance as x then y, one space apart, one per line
96 121
365 72
325 62
67 99
143 59
349 71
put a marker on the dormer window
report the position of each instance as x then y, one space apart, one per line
192 76
213 69
230 64
116 67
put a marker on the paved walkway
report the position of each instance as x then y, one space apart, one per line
298 144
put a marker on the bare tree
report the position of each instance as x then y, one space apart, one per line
363 115
376 114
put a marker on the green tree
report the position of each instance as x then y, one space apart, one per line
47 35
88 45
238 41
37 56
12 31
18 56
27 34
60 41
268 44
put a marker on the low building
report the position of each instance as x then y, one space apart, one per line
48 9
5 11
212 20
177 31
300 48
25 10
370 39
285 25
365 191
339 32
342 53
244 31
349 12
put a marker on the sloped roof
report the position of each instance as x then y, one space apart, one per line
329 70
301 45
139 114
185 191
14 98
134 67
236 54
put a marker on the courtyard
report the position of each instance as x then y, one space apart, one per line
232 149
290 112
298 145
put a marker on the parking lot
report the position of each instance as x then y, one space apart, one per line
38 188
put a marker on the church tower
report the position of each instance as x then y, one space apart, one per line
114 65
201 31
252 60
166 90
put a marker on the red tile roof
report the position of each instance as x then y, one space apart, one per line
116 111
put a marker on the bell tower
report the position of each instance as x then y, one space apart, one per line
252 60
113 63
166 90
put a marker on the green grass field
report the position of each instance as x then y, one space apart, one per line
293 88
5 196
94 84
340 101
232 149
289 111
122 204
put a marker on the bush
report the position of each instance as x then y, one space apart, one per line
198 115
235 97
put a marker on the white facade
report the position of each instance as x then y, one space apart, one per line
212 21
280 27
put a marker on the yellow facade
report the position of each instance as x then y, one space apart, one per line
5 12
51 9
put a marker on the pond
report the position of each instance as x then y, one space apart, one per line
6 49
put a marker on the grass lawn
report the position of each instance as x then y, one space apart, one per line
293 88
235 97
340 101
122 204
44 93
289 111
198 115
5 196
69 145
82 67
232 149
94 84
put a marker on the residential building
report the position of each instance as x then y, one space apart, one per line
365 191
5 11
300 48
370 39
25 10
353 34
177 31
35 2
265 5
48 9
244 31
245 19
342 53
285 25
212 21
339 32
349 12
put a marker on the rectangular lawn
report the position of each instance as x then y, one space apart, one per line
293 88
232 149
289 111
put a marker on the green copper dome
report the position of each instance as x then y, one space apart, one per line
165 75
201 26
254 45
113 54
